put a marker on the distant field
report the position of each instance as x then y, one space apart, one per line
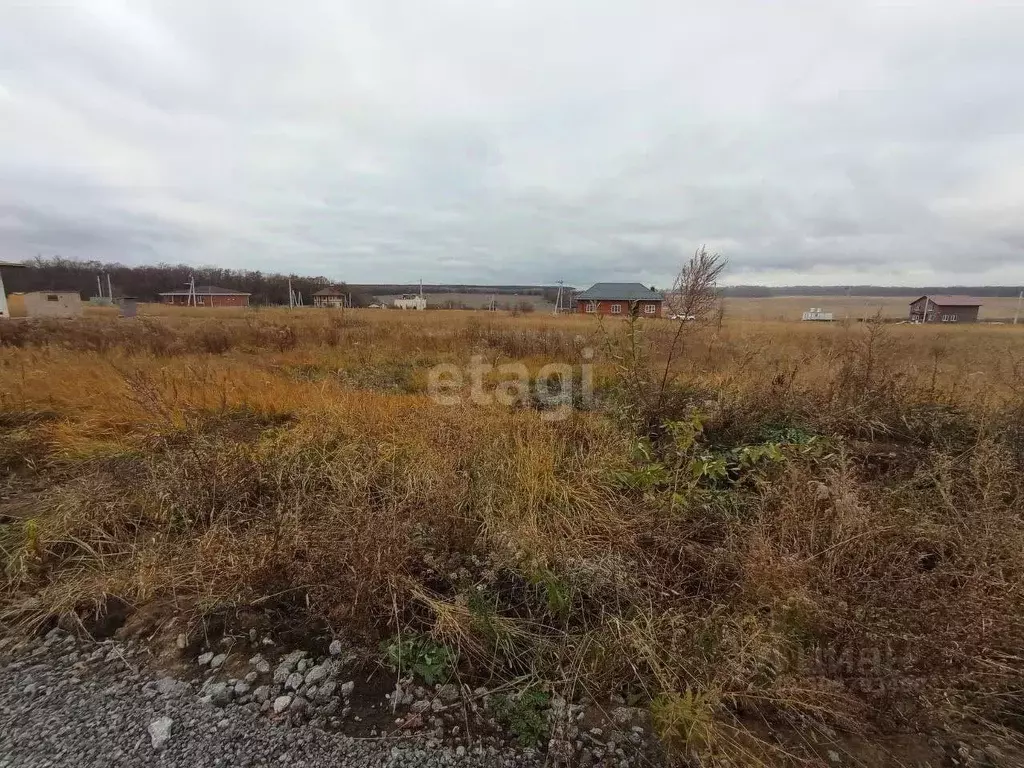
791 307
478 300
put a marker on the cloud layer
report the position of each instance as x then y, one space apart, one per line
528 141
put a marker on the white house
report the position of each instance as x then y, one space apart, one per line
818 314
410 301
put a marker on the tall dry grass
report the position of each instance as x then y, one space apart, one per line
822 532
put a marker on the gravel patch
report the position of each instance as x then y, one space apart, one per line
64 704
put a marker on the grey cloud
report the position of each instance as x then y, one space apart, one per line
31 231
525 142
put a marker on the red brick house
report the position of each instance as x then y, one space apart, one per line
621 299
206 296
944 309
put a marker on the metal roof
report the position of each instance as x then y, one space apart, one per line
329 292
951 301
620 292
12 264
207 290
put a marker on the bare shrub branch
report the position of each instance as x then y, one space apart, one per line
694 293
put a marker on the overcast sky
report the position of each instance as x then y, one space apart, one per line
496 141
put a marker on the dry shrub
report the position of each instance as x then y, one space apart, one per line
142 336
156 338
22 442
332 331
14 334
212 339
524 342
905 581
262 334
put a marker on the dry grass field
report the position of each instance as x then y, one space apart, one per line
800 531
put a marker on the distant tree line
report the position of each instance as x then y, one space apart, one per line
147 282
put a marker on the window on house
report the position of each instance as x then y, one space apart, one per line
616 309
650 309
52 297
949 318
589 307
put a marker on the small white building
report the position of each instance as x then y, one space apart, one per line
818 314
45 304
411 301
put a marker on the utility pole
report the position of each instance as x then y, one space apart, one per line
558 297
99 287
1016 315
110 291
291 296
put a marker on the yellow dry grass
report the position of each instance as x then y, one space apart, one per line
864 527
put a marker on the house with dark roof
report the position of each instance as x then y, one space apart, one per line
206 296
944 309
621 299
329 297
